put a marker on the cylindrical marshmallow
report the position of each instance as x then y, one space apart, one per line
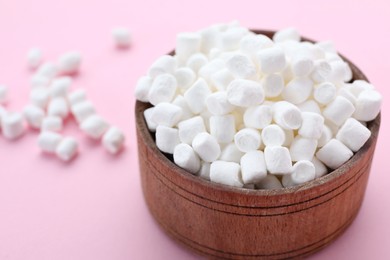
334 154
221 79
147 115
339 71
3 94
40 97
253 43
189 128
270 182
245 93
142 88
289 137
167 138
273 135
302 66
94 126
180 101
258 116
185 157
166 114
113 140
312 125
227 173
12 125
34 116
47 70
67 149
218 104
185 77
59 87
52 123
247 139
241 66
230 153
207 71
122 37
196 96
302 171
34 58
58 107
353 134
358 86
320 168
164 64
204 171
83 110
297 90
310 106
39 81
48 141
77 96
223 128
278 160
273 85
368 105
163 89
253 167
325 137
197 61
272 60
206 146
321 72
287 115
302 149
69 62
325 92
339 110
230 39
287 34
187 44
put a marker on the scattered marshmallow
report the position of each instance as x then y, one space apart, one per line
67 149
122 37
83 110
34 116
94 126
69 62
46 72
334 154
77 96
58 107
40 97
60 86
49 141
34 58
3 94
185 157
12 125
52 123
227 173
113 140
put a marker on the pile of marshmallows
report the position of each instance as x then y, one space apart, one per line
51 103
241 109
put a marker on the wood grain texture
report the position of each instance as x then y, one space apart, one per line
226 222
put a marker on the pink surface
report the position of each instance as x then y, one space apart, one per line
93 207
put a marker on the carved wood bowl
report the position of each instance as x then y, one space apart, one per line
226 222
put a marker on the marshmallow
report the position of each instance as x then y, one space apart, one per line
272 60
227 173
302 66
185 157
164 64
48 141
204 171
205 114
187 44
167 138
230 39
52 123
83 110
142 88
312 125
339 71
67 149
223 128
94 126
302 149
368 105
289 137
327 46
163 89
12 125
353 134
245 93
76 97
40 97
320 168
247 139
209 38
113 140
273 85
166 114
297 90
218 104
241 66
69 62
122 37
339 110
313 51
39 81
273 135
48 70
258 116
189 128
185 77
287 34
34 116
278 160
60 86
196 96
3 113
230 153
253 167
325 137
334 154
186 111
321 71
358 86
3 94
324 92
302 171
270 182
206 146
287 115
253 43
197 61
34 58
221 79
310 106
345 92
148 115
58 107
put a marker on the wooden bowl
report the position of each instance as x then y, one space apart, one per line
227 222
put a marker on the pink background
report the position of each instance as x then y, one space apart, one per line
93 208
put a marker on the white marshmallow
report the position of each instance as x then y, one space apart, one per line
272 60
327 46
302 149
48 141
253 167
227 173
325 92
164 64
289 137
77 96
241 66
204 171
258 116
245 93
197 61
148 115
270 182
196 96
189 128
60 86
302 171
230 39
209 38
52 123
205 114
320 168
302 66
358 86
58 107
122 37
69 62
221 79
334 154
94 126
3 113
206 146
40 97
247 139
253 43
47 70
167 138
3 94
34 58
310 106
83 110
210 68
185 78
368 105
67 149
312 125
339 110
217 103
113 140
287 34
278 160
12 125
333 127
186 111
163 89
322 71
353 134
166 114
223 128
297 90
39 81
345 92
273 85
287 115
187 44
325 137
230 153
142 88
339 71
273 135
185 157
34 116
